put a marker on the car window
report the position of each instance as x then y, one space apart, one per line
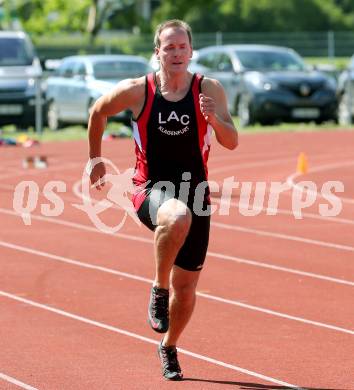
351 64
67 69
223 63
208 60
15 51
80 69
119 69
269 60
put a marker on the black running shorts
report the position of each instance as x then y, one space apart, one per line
191 256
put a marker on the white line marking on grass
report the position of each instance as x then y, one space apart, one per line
143 338
16 382
207 296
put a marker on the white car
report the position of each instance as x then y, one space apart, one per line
80 80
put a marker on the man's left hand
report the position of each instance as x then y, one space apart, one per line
207 107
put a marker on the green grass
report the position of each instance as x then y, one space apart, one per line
71 133
339 62
74 133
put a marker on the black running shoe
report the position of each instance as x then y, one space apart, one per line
158 310
169 362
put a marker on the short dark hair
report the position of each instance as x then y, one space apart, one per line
172 23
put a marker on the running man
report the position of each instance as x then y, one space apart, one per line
174 113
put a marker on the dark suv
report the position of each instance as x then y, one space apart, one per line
19 69
269 84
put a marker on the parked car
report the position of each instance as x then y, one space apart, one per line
193 66
345 93
80 80
269 84
19 69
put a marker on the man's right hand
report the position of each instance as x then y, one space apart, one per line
97 175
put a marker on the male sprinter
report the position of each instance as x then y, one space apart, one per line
174 113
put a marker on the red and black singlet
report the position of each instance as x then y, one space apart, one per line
170 138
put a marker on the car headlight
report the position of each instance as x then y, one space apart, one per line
259 82
31 87
330 84
269 85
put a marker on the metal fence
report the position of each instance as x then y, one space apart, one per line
329 44
309 44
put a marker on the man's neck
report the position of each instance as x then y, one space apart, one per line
173 82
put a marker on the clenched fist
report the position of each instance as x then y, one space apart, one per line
207 107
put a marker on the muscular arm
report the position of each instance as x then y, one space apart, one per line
213 104
128 94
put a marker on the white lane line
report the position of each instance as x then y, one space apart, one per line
143 338
231 157
284 236
290 179
150 241
80 226
35 172
304 240
279 268
207 296
213 254
266 162
289 212
227 168
278 314
16 382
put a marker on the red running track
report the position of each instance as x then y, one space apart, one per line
275 300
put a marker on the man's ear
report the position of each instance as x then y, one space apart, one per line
191 55
157 51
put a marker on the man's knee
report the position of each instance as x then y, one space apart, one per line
184 293
184 284
175 218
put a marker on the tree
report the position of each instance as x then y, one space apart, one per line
41 17
99 11
259 15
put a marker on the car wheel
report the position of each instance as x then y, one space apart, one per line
344 114
53 117
244 112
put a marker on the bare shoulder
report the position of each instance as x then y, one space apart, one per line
131 87
137 94
128 94
211 86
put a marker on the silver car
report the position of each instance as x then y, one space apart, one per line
81 80
345 93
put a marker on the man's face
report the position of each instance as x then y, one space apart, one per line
175 50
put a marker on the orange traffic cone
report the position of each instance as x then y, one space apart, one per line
302 165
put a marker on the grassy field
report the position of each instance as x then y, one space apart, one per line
79 132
